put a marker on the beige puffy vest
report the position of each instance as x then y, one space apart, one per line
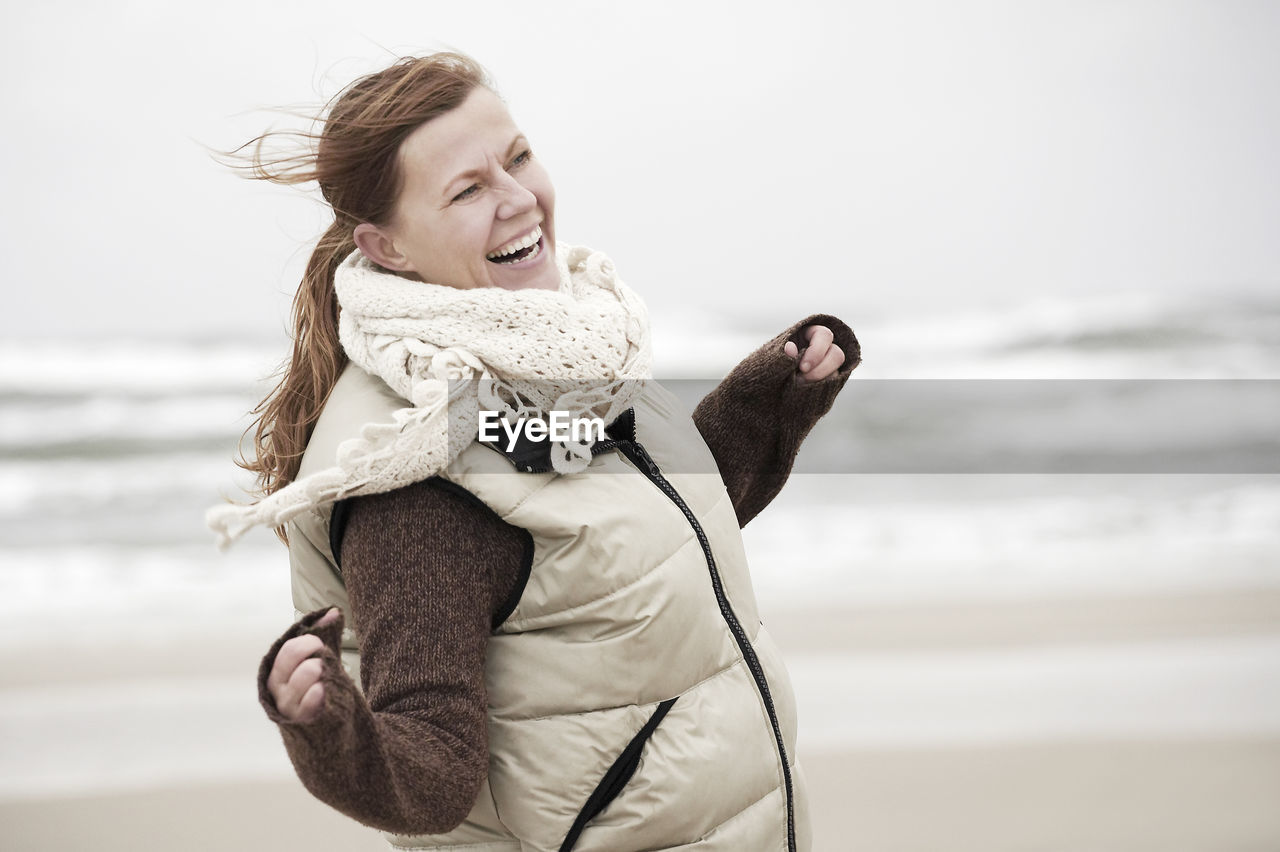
635 700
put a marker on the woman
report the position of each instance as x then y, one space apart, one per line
548 645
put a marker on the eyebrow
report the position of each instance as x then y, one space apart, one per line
474 173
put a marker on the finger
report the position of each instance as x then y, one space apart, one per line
819 337
310 705
791 349
813 355
829 364
305 676
308 672
290 654
328 618
816 333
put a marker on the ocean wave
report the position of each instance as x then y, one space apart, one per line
979 536
1134 336
825 540
38 487
60 366
99 418
68 588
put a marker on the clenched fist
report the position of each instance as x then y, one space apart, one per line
820 358
294 681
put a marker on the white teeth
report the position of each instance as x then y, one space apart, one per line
536 251
516 245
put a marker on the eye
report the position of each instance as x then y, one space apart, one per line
467 193
520 159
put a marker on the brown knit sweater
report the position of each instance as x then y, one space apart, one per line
430 573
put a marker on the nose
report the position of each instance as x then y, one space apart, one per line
517 199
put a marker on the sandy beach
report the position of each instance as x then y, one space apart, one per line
1127 797
993 759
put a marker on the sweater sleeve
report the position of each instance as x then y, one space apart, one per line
429 571
755 420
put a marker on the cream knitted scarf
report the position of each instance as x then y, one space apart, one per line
583 350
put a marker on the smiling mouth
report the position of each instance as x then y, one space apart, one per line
515 251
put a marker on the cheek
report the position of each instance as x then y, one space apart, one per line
461 238
418 233
467 241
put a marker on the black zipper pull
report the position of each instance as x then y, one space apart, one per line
644 454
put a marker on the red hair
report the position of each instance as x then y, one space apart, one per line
354 159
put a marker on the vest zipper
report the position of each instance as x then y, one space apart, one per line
639 456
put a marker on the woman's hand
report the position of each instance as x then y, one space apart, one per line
294 681
820 358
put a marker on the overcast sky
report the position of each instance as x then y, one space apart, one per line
772 158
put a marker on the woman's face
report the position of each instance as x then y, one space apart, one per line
476 209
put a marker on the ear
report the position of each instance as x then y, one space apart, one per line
379 246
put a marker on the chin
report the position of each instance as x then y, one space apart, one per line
542 282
